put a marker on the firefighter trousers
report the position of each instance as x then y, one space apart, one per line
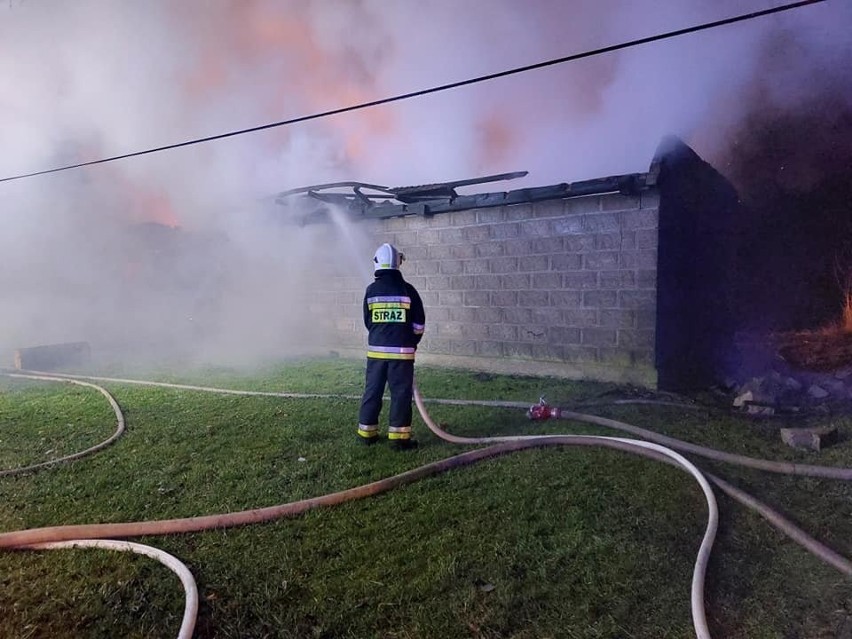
398 374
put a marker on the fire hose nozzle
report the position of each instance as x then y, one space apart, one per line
542 411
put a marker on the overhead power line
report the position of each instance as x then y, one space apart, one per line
444 87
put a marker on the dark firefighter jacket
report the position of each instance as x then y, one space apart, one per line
394 316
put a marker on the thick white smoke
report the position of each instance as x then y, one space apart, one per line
94 78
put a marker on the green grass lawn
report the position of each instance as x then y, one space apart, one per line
579 543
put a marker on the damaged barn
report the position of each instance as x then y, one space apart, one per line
647 278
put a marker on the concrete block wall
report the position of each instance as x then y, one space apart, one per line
564 287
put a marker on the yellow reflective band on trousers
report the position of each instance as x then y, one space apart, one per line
380 355
399 432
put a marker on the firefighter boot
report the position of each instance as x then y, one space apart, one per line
403 444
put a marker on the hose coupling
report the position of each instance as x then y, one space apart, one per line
542 411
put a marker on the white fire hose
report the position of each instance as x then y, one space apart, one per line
190 608
81 534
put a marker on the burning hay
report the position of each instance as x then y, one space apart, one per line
823 350
846 322
828 348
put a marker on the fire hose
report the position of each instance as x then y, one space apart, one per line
190 609
35 538
119 431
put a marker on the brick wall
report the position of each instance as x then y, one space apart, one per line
563 287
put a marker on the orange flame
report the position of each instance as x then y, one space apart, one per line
257 34
157 207
846 322
497 140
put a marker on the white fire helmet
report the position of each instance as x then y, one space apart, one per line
386 257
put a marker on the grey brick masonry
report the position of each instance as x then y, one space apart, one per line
563 287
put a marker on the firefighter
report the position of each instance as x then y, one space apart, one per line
395 319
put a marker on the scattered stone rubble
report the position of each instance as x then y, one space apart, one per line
792 392
797 392
810 438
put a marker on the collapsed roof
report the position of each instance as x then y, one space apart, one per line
371 201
